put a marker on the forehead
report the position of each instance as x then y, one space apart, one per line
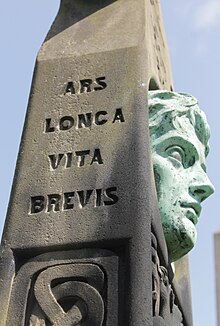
180 112
191 130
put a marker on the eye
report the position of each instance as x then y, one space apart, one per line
176 154
192 161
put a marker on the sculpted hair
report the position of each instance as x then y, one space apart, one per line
171 110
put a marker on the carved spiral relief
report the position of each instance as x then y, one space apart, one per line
69 295
66 288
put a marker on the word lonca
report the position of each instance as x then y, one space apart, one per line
83 120
69 200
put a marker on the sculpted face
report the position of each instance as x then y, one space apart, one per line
179 139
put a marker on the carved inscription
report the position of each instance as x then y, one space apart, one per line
85 86
58 202
83 120
69 200
78 158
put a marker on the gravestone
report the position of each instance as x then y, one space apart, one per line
217 273
83 242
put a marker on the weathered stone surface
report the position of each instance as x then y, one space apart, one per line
83 203
7 271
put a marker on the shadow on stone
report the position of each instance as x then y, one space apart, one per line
71 12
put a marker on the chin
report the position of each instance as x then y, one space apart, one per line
180 239
180 251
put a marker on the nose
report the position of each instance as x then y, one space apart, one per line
201 187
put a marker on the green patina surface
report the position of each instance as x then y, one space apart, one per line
179 138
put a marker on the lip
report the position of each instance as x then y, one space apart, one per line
193 211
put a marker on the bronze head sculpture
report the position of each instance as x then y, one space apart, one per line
179 138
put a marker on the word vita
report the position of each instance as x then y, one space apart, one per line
78 158
69 200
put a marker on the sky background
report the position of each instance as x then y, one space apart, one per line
193 35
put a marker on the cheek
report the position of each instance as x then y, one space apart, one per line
166 176
171 185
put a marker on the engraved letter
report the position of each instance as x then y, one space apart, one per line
85 85
55 160
81 155
53 202
66 123
68 204
84 120
98 197
37 204
69 157
97 157
48 127
84 199
118 116
113 197
99 121
70 88
101 83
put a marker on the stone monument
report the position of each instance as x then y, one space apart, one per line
83 242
